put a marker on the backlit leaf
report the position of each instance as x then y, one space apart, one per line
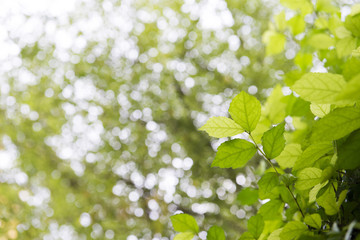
184 236
336 124
307 178
184 223
273 141
292 230
256 225
215 233
313 220
289 155
245 110
234 154
319 87
312 154
221 127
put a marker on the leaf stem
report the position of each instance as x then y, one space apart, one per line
272 165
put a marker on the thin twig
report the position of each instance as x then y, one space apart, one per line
270 163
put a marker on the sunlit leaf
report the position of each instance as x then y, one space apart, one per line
289 155
256 225
215 233
307 178
245 110
273 141
234 154
221 127
336 124
319 87
184 223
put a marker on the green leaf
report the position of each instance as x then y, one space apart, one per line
184 236
248 196
256 225
313 220
297 24
292 230
247 236
275 235
221 127
328 201
234 154
312 154
184 223
336 124
273 141
348 152
313 192
245 110
215 233
319 87
325 6
341 198
353 24
289 155
307 178
321 41
274 41
351 90
320 110
274 108
280 21
268 186
288 179
345 46
272 209
303 5
356 52
303 60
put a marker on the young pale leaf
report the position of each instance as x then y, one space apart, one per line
234 154
336 124
351 90
319 87
348 152
289 155
184 223
292 230
268 186
248 196
307 178
313 220
215 233
221 127
245 110
256 225
273 141
312 154
184 236
320 110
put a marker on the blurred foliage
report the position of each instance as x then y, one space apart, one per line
100 105
307 132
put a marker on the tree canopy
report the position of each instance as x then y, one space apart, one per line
102 101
